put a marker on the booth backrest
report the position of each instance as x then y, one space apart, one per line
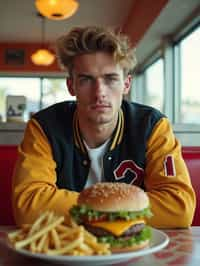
191 156
8 156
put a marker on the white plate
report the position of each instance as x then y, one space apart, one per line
159 240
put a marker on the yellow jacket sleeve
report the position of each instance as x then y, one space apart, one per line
167 180
34 180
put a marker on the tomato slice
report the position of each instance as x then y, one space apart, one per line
103 217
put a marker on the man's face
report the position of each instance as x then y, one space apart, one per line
99 85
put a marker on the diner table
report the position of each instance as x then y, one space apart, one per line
183 249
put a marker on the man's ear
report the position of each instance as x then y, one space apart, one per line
69 83
127 84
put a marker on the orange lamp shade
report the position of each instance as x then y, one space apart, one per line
43 57
57 9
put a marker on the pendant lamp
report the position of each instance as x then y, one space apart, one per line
57 9
42 56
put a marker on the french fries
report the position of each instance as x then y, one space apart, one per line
51 235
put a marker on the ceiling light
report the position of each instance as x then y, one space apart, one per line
57 9
42 56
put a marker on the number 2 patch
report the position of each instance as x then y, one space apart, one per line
169 166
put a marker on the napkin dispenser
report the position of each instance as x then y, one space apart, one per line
15 108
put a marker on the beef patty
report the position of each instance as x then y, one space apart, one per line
133 230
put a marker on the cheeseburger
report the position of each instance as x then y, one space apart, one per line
116 213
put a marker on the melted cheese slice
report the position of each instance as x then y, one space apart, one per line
117 227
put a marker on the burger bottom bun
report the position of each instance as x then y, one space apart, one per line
134 247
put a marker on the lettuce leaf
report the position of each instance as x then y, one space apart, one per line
79 212
126 242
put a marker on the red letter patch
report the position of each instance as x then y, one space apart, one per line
126 165
169 166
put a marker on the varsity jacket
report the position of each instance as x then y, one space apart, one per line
53 163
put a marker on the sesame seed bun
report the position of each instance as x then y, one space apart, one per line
114 197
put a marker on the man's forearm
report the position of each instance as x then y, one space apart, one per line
172 208
30 202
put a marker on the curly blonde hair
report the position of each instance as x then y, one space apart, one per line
83 40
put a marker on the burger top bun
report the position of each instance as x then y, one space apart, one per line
113 197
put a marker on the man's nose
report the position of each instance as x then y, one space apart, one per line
100 87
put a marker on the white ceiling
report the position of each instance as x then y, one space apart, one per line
19 22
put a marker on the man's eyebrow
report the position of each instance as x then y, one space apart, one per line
111 75
82 75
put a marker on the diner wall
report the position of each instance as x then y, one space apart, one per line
14 65
12 133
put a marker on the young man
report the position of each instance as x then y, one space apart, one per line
100 137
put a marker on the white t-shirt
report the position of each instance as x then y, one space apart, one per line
96 163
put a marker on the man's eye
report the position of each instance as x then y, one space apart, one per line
111 79
84 80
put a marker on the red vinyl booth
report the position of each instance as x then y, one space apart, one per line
191 156
8 156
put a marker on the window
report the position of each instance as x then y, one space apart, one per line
190 78
28 87
154 85
39 92
171 84
54 90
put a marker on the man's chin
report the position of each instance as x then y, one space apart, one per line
101 119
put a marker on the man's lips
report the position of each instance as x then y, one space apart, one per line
100 106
